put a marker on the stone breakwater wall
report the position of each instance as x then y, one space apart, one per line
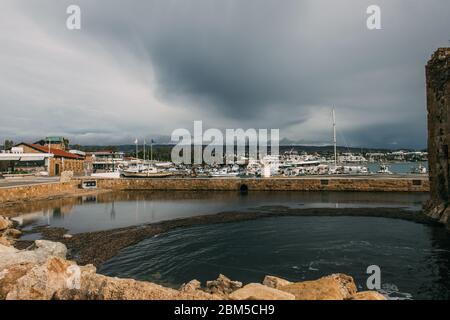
362 184
438 107
420 184
37 191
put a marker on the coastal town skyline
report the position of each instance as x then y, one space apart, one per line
140 71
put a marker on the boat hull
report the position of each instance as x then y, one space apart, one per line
146 175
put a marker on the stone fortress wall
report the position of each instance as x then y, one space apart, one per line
438 107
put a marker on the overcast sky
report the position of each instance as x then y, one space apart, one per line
144 68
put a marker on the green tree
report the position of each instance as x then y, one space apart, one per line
8 144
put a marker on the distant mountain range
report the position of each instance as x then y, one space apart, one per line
131 148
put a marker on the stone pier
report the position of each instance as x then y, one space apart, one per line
438 107
411 183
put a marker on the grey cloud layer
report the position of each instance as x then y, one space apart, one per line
147 67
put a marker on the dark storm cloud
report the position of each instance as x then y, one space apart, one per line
266 64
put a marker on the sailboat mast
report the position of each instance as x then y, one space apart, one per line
145 158
136 142
334 138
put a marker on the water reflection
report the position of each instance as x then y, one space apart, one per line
125 208
113 212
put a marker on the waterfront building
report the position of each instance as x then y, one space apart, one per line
376 156
54 160
351 158
107 161
60 143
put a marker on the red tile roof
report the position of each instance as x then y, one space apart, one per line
55 152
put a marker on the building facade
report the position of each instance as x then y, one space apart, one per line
60 160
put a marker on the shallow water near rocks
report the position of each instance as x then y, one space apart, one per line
414 258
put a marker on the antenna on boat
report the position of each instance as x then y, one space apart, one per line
151 150
144 152
136 143
334 138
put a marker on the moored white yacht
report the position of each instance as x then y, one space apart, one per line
107 175
224 173
420 170
384 169
355 170
144 171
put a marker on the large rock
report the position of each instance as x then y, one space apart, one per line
4 250
41 282
98 287
275 282
10 275
42 251
5 223
191 286
5 241
368 295
43 274
222 286
334 287
13 233
50 248
256 291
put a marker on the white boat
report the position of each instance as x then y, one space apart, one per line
144 171
163 164
270 165
420 170
107 175
384 169
223 173
356 170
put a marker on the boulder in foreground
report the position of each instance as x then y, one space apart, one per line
222 286
275 282
42 251
368 295
5 223
333 287
256 291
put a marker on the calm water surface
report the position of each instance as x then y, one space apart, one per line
398 167
414 259
122 209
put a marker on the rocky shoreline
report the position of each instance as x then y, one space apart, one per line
42 272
